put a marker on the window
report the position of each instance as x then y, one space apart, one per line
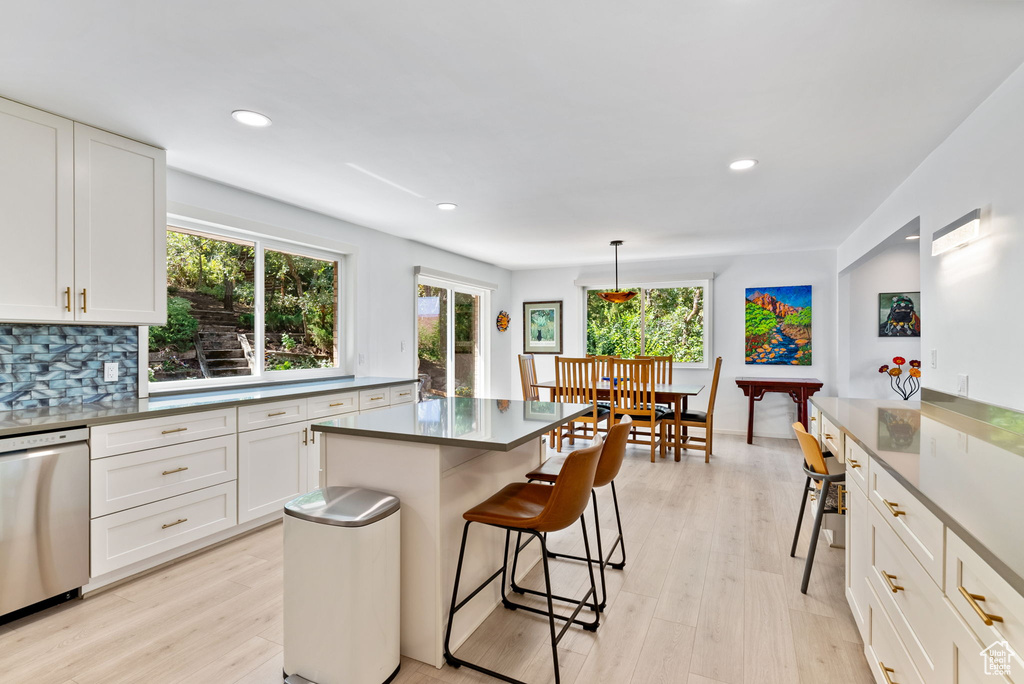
243 309
667 320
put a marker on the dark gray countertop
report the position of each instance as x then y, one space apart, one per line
492 424
85 415
968 473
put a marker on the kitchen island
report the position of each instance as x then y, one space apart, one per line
440 458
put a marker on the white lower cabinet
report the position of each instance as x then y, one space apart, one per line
857 556
273 466
886 654
135 534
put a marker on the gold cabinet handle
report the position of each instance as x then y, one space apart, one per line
892 508
85 295
312 436
842 499
853 462
886 671
828 436
176 470
973 599
67 293
278 413
338 403
171 432
305 436
814 418
892 585
176 522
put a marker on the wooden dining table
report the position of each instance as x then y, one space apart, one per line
674 393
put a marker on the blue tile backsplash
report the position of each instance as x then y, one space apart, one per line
57 365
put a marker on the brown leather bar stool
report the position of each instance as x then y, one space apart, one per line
533 509
612 453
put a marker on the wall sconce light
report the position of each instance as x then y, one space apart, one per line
957 234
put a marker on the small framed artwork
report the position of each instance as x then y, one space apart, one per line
899 314
542 327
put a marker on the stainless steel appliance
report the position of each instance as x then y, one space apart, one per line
44 517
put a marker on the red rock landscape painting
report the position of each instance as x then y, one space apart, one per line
778 326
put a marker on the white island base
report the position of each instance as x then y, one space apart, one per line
436 485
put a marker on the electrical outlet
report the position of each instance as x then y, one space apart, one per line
961 441
362 359
961 385
110 372
935 359
403 345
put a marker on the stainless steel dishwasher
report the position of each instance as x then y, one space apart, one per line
44 517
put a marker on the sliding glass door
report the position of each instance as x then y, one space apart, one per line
449 339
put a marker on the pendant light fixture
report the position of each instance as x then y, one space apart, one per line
617 297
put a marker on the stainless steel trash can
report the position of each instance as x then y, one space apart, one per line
341 587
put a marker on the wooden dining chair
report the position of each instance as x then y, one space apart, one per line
528 376
703 419
662 375
632 394
817 471
576 383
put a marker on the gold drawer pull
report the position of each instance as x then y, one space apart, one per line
338 403
85 294
892 585
176 470
171 432
814 418
305 436
279 413
176 522
828 436
853 462
892 508
67 293
842 500
886 671
973 599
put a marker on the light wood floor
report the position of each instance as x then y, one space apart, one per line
709 596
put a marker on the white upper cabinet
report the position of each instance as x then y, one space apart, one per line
82 221
37 219
120 229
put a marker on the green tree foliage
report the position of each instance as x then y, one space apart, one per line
760 321
180 329
300 297
673 323
801 318
217 268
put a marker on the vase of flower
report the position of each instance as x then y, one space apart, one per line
904 384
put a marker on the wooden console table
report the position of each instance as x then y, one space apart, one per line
800 389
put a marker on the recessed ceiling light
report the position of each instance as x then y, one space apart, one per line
447 206
244 116
913 237
743 164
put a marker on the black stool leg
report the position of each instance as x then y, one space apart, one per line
551 607
800 518
449 658
818 515
621 541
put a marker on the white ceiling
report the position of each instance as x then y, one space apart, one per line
556 125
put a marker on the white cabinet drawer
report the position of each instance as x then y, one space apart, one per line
403 394
885 651
120 438
142 477
130 536
914 524
965 659
267 415
831 438
374 398
857 556
909 597
332 405
857 464
989 594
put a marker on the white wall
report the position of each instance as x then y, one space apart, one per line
733 274
385 287
973 293
861 350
